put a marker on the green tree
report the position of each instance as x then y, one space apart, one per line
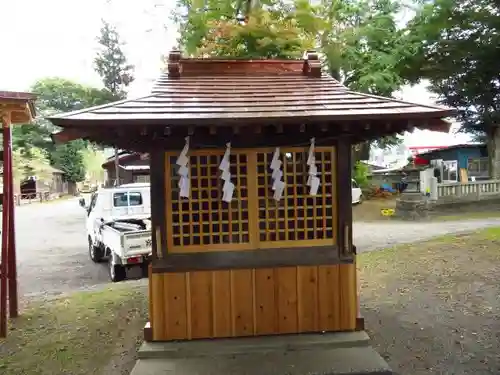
69 158
359 39
111 63
455 46
32 143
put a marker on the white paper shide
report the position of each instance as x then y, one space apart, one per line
277 175
183 171
228 187
312 179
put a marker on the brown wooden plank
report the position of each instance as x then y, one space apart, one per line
329 298
221 296
253 107
189 104
261 258
308 305
245 89
242 302
247 80
158 306
259 97
201 304
340 114
287 299
176 305
348 299
266 306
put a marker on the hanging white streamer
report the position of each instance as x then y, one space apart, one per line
278 185
183 171
312 179
224 167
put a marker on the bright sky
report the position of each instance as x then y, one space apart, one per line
58 38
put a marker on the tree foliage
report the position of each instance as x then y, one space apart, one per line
458 52
69 158
359 39
33 148
111 63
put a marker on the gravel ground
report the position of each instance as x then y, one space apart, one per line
432 308
52 252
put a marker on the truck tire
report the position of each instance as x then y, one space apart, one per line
95 253
117 272
145 269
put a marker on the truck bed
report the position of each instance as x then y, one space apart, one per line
127 238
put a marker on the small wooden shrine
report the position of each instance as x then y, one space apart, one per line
15 108
250 191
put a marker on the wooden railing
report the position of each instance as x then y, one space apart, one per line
471 190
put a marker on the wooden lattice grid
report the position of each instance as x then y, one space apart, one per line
298 216
203 222
204 219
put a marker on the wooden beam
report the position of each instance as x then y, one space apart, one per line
262 258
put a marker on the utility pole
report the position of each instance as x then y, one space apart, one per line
117 168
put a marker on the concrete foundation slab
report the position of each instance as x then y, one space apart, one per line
328 354
210 348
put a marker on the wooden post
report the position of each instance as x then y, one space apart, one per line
5 229
11 257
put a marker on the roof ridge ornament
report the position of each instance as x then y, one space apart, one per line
312 64
174 63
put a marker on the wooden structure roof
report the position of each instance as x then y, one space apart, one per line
19 105
218 93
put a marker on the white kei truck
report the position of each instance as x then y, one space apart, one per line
119 228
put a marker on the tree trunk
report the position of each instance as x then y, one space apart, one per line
493 144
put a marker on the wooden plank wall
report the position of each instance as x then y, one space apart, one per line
236 303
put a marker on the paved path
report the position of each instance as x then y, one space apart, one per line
376 235
52 251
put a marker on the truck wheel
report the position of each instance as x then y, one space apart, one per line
145 269
116 271
96 254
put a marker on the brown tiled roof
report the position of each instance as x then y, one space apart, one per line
201 92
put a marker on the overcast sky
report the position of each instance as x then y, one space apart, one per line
58 38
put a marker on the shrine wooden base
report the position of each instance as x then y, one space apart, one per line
252 302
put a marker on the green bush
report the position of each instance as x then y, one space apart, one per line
361 174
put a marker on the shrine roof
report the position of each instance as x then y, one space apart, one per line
20 105
220 91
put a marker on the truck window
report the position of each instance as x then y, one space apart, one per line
126 199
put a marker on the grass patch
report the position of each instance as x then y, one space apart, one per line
78 334
432 307
468 216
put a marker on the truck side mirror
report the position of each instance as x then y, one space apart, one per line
82 202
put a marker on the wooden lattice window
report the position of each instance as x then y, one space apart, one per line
298 219
253 220
204 220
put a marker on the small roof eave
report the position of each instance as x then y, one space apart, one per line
21 105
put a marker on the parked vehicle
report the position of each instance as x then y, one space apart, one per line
357 194
119 228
